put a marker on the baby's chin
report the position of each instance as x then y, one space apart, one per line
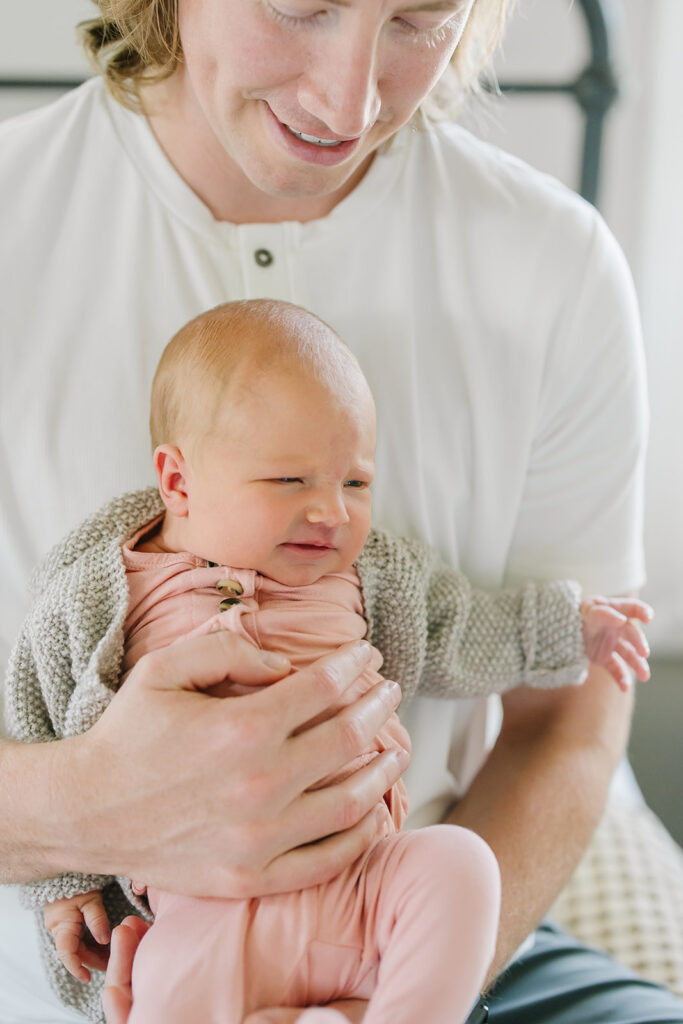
296 577
298 568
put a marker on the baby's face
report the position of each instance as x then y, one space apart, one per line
283 482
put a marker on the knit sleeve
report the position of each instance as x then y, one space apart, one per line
441 636
63 672
31 719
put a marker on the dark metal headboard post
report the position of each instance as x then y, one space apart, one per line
595 90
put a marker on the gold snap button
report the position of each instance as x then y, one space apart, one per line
230 587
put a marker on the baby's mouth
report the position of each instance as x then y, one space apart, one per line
313 139
309 545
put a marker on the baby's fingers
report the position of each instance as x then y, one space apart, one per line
67 938
632 608
616 666
95 917
632 634
632 657
603 616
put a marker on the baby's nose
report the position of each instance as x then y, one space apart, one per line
330 511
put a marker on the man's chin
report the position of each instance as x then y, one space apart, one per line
307 183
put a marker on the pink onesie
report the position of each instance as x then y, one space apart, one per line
410 925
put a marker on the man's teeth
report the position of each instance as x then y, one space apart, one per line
312 138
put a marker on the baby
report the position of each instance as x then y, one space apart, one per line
264 434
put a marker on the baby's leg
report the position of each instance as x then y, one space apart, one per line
433 903
188 965
215 961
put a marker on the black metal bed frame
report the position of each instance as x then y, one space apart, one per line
595 90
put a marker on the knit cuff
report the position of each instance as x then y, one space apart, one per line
35 895
553 637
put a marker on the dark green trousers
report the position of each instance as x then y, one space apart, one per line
560 981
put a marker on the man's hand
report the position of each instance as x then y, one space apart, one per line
117 995
210 796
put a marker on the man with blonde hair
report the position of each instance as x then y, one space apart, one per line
245 148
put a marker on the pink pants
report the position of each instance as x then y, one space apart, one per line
411 926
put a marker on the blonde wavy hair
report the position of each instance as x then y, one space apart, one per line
136 42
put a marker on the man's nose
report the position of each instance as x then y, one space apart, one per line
340 87
328 509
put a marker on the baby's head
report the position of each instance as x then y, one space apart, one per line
263 427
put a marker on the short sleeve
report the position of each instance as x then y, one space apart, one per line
581 509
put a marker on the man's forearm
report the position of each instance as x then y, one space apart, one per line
34 810
541 793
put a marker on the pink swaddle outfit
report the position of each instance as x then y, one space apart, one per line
382 926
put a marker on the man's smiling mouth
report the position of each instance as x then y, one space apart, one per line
312 138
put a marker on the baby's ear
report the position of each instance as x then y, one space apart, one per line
172 476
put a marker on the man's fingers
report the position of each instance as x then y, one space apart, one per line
342 810
322 832
318 862
125 940
203 661
116 1005
304 695
117 996
328 746
341 806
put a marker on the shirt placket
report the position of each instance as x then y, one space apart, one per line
265 258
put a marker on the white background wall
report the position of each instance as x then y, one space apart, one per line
38 36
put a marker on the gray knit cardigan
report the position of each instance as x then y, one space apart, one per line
439 636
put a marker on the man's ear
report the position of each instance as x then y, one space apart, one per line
172 476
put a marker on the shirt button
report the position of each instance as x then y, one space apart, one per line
264 257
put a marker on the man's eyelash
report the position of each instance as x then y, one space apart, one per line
292 20
430 36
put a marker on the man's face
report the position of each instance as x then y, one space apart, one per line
282 484
298 94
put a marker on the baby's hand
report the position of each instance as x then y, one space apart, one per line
612 637
80 927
